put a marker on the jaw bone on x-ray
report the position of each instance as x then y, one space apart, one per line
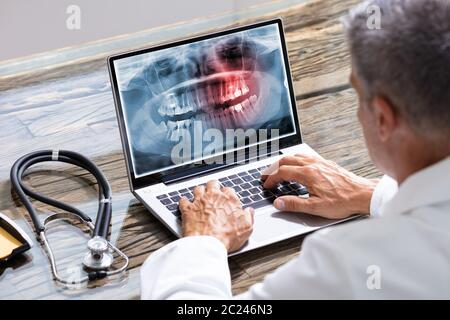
236 81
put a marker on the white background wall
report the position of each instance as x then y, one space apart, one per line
34 26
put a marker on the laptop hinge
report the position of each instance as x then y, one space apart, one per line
179 177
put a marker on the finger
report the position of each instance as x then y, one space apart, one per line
309 157
245 223
297 204
273 168
270 170
286 161
297 160
198 192
250 212
288 173
230 192
184 204
249 221
213 185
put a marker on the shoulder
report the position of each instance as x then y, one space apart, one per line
406 249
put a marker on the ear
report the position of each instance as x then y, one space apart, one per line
385 117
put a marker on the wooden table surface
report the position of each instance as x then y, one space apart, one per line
63 100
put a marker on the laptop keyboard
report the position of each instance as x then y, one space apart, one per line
247 185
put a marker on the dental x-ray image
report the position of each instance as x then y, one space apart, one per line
234 81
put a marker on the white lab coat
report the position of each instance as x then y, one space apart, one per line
402 251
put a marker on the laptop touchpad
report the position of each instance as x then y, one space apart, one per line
274 225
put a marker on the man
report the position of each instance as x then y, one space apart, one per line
401 74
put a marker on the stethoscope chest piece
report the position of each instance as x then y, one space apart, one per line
98 257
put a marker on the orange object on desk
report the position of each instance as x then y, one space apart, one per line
13 240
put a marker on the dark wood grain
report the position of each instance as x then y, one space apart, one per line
70 106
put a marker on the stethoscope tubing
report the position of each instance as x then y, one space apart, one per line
103 219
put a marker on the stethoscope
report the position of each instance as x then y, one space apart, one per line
99 258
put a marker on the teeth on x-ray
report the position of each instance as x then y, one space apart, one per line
219 99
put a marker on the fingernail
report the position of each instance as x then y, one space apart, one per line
279 204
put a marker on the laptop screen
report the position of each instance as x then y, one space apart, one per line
194 102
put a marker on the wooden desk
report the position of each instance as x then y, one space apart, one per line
63 99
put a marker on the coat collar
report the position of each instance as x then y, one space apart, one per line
424 188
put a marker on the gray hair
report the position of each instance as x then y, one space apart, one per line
406 60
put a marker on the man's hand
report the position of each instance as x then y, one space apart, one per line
217 212
334 192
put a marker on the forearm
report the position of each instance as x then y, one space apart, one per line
189 268
319 272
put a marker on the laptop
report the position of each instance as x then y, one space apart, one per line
219 106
